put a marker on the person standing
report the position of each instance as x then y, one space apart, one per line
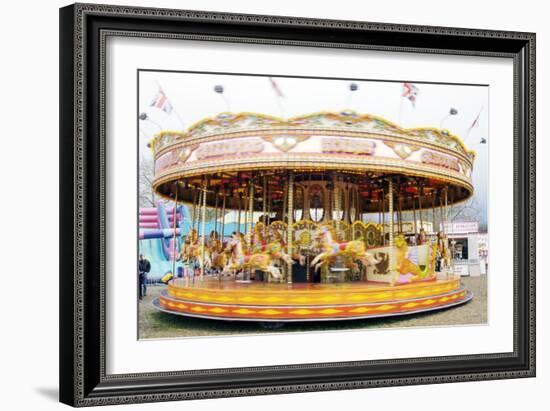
144 267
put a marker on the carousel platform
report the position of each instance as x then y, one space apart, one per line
258 301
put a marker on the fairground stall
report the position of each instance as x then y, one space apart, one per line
322 198
464 240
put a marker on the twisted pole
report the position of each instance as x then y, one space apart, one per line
290 218
203 226
392 253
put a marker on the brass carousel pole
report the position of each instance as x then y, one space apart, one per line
269 205
359 206
216 194
420 207
194 212
285 203
337 200
199 212
452 246
251 207
414 216
213 246
264 204
441 216
196 219
222 231
383 217
251 213
392 254
240 197
446 209
379 211
289 222
203 226
223 216
445 229
174 241
400 212
390 209
246 200
434 194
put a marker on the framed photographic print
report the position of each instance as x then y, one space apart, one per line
262 204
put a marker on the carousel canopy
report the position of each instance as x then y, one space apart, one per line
225 154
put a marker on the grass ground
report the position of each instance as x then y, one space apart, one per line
156 324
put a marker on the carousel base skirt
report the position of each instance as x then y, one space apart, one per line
263 302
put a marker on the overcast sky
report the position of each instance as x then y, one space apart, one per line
193 98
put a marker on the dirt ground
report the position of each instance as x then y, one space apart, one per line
156 324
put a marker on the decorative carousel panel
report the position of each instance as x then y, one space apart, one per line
353 144
300 302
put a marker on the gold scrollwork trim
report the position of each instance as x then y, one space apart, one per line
270 124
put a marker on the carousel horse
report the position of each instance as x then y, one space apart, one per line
444 252
194 252
189 247
218 258
204 257
276 246
240 260
330 248
407 270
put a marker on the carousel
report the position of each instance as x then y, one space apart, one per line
320 201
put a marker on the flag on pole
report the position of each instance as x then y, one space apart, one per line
276 88
475 123
410 92
161 101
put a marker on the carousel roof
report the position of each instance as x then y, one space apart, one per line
226 123
230 149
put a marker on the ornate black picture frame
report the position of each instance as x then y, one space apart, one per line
83 30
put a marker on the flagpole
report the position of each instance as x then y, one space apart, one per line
179 117
443 120
348 100
452 112
409 91
220 90
227 105
352 87
278 96
173 107
473 125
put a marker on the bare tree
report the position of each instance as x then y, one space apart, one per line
470 210
147 197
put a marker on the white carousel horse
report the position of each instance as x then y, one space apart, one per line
352 250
